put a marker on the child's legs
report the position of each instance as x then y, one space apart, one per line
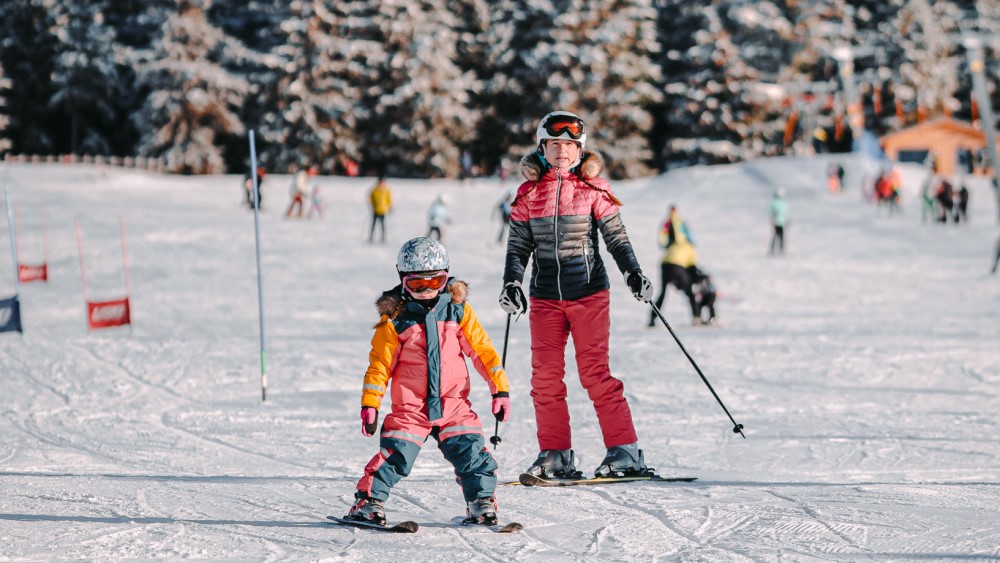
549 334
462 444
590 324
403 434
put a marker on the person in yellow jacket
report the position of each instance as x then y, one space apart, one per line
380 199
679 255
426 331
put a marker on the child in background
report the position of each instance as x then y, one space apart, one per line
315 203
704 295
425 332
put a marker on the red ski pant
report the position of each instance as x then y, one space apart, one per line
588 320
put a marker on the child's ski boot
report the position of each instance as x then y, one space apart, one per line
482 511
368 510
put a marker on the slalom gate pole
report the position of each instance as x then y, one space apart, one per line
12 228
260 279
13 250
83 273
495 439
128 283
737 428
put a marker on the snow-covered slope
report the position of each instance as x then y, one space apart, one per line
864 365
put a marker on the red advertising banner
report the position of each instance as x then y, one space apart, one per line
28 273
104 314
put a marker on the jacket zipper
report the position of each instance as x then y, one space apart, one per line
555 228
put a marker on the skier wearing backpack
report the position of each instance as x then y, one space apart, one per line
429 379
555 221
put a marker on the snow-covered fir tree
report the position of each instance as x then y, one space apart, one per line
309 117
592 58
5 143
27 52
84 78
720 106
416 99
194 96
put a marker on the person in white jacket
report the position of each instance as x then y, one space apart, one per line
437 217
299 191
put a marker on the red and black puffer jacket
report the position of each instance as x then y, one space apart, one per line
555 219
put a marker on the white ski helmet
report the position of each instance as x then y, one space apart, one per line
561 125
421 254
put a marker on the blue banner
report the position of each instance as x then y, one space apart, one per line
10 315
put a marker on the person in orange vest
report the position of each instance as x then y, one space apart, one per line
887 189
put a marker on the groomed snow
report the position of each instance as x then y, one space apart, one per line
864 365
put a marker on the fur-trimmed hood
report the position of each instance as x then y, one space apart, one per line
591 166
391 301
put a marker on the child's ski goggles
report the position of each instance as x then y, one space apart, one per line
559 124
418 283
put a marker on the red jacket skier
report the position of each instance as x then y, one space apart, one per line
556 218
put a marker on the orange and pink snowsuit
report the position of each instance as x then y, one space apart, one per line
419 353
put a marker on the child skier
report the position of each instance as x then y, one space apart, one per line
426 330
704 295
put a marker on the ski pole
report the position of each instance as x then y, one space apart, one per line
495 439
737 428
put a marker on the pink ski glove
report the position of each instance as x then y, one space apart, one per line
369 418
501 408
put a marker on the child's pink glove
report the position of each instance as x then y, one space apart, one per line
369 418
501 407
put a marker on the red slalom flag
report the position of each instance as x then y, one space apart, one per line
28 273
104 314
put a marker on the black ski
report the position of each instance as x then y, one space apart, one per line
511 528
530 480
408 527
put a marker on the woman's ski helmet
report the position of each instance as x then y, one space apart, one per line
561 125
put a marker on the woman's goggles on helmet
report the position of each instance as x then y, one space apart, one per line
559 124
421 282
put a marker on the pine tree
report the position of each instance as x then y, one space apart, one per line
716 109
310 116
85 78
5 143
416 98
193 95
592 58
27 52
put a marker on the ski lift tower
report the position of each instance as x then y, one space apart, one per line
974 51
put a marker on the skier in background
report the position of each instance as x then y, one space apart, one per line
503 211
962 205
779 216
679 255
887 189
437 217
704 295
380 199
299 191
429 398
315 203
835 176
248 187
945 198
570 293
996 258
